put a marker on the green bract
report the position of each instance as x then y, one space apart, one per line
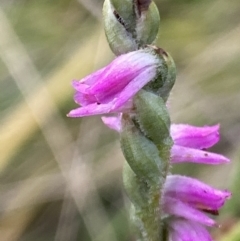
139 151
153 117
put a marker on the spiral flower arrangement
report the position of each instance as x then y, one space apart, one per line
131 92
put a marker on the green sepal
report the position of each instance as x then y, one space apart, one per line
166 74
148 25
140 152
170 77
162 71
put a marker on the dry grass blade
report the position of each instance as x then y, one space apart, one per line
14 131
209 62
92 7
56 134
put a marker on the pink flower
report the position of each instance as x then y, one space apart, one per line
110 89
185 201
189 142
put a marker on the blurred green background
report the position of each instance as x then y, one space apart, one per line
60 177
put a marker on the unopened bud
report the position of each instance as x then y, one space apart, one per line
129 24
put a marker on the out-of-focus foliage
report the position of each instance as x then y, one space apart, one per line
61 177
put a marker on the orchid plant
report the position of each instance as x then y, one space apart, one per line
131 94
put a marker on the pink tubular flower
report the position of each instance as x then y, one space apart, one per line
189 142
185 200
110 89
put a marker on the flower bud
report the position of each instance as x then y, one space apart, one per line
130 25
119 33
112 88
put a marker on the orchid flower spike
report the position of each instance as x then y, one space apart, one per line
130 94
111 89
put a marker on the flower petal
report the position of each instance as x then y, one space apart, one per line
195 137
106 84
84 99
184 230
134 86
120 72
174 236
92 78
201 232
93 109
185 154
174 206
194 192
113 122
